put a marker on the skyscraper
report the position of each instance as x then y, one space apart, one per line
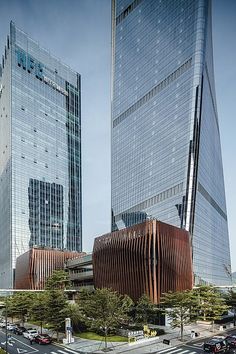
166 153
40 153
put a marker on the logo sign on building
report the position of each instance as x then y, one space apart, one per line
33 66
29 64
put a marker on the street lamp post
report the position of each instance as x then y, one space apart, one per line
6 327
105 330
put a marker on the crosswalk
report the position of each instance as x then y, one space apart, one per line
64 351
199 344
176 350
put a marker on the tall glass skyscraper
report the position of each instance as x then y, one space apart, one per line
166 153
40 153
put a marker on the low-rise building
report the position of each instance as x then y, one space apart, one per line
148 258
36 265
80 272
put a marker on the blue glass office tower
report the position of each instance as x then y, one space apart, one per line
40 153
166 154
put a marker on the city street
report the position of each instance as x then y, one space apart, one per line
188 347
20 345
193 348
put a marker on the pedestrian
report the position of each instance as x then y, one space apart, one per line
31 340
9 338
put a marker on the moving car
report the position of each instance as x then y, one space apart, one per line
216 345
30 333
19 330
43 339
231 341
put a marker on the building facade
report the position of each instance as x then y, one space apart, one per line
166 152
40 153
36 265
80 272
149 258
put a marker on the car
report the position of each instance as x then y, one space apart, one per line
43 338
19 330
3 324
216 345
30 333
11 326
231 340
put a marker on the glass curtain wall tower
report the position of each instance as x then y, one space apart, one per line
166 153
40 153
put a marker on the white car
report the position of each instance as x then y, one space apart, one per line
3 324
11 326
30 333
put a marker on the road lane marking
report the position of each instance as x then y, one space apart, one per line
71 351
9 342
166 350
197 344
179 351
26 345
193 346
171 350
176 350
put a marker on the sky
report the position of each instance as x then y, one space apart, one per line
79 33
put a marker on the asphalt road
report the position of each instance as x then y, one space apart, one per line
191 348
194 347
20 345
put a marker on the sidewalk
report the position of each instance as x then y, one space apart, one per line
152 345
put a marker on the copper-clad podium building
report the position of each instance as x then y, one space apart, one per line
149 258
36 265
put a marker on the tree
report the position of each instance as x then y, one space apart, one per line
57 309
179 307
230 299
76 315
11 308
39 309
56 301
211 303
144 309
19 304
58 280
104 309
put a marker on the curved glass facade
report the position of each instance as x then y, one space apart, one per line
40 186
166 155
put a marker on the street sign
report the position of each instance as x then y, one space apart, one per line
166 341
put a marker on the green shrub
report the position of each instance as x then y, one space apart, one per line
95 336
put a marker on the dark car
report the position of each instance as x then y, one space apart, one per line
231 341
19 330
216 345
43 339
